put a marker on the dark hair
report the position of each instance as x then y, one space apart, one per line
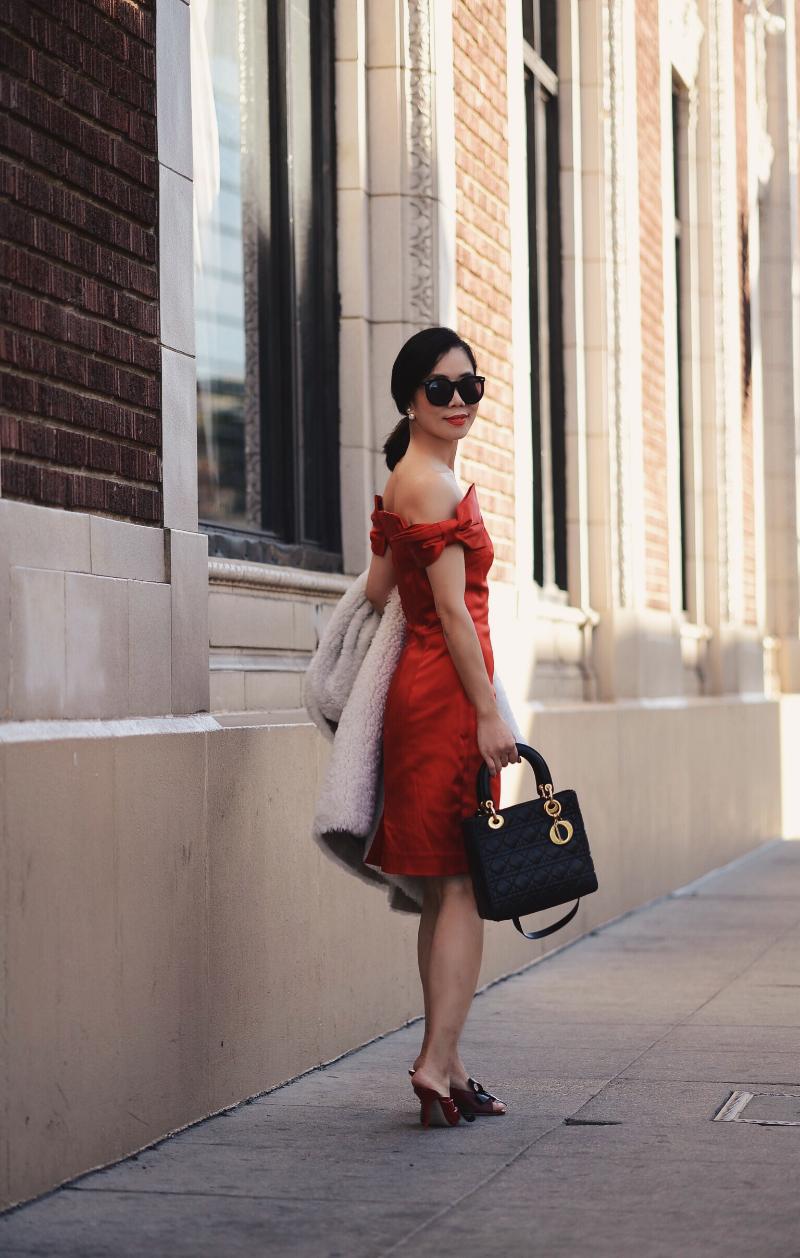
416 360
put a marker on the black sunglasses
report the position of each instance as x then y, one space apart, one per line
439 390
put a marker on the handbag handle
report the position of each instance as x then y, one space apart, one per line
535 760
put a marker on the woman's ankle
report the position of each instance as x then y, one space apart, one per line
432 1071
458 1073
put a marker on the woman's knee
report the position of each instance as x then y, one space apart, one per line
452 890
458 888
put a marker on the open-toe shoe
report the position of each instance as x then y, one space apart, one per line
475 1100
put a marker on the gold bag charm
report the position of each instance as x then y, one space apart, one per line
560 824
496 820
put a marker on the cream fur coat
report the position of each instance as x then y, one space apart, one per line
344 692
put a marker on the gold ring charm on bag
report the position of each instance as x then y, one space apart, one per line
496 820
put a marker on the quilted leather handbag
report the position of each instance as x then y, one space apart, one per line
529 856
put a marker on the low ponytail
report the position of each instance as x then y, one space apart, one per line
396 444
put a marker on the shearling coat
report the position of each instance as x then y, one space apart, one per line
344 692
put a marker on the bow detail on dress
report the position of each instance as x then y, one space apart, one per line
423 543
429 540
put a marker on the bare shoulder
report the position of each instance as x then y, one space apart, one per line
422 497
389 491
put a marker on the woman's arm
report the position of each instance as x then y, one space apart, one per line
496 741
380 579
447 574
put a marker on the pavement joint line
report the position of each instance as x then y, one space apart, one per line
265 1148
73 1187
758 1083
300 1199
734 895
452 1205
594 1122
773 1026
674 1159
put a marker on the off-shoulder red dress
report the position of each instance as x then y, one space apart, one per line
430 749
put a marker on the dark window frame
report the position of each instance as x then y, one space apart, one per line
548 434
299 413
679 105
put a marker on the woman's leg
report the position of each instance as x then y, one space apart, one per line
453 966
427 924
430 911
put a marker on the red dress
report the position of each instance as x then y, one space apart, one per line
430 749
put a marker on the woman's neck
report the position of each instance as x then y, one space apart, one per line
437 448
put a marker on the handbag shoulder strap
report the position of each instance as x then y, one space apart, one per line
548 930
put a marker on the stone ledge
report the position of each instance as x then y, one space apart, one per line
239 574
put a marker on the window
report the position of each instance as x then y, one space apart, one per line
544 248
266 299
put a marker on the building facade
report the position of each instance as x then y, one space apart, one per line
221 220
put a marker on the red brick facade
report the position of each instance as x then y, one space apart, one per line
483 256
80 423
651 261
742 219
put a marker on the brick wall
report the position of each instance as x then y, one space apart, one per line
483 256
656 536
742 218
80 423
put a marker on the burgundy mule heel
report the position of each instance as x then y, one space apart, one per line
436 1110
474 1100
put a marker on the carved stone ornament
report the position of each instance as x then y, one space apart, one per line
421 216
763 23
686 32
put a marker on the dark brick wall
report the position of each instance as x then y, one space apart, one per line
80 365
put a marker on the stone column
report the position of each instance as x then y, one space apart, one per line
719 327
684 38
637 652
186 547
780 341
396 210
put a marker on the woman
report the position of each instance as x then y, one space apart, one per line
441 718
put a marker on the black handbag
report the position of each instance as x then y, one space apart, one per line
529 856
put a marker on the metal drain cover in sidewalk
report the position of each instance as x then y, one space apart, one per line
768 1109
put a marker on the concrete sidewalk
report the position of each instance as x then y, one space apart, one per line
613 1055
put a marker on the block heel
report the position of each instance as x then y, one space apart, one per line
436 1110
